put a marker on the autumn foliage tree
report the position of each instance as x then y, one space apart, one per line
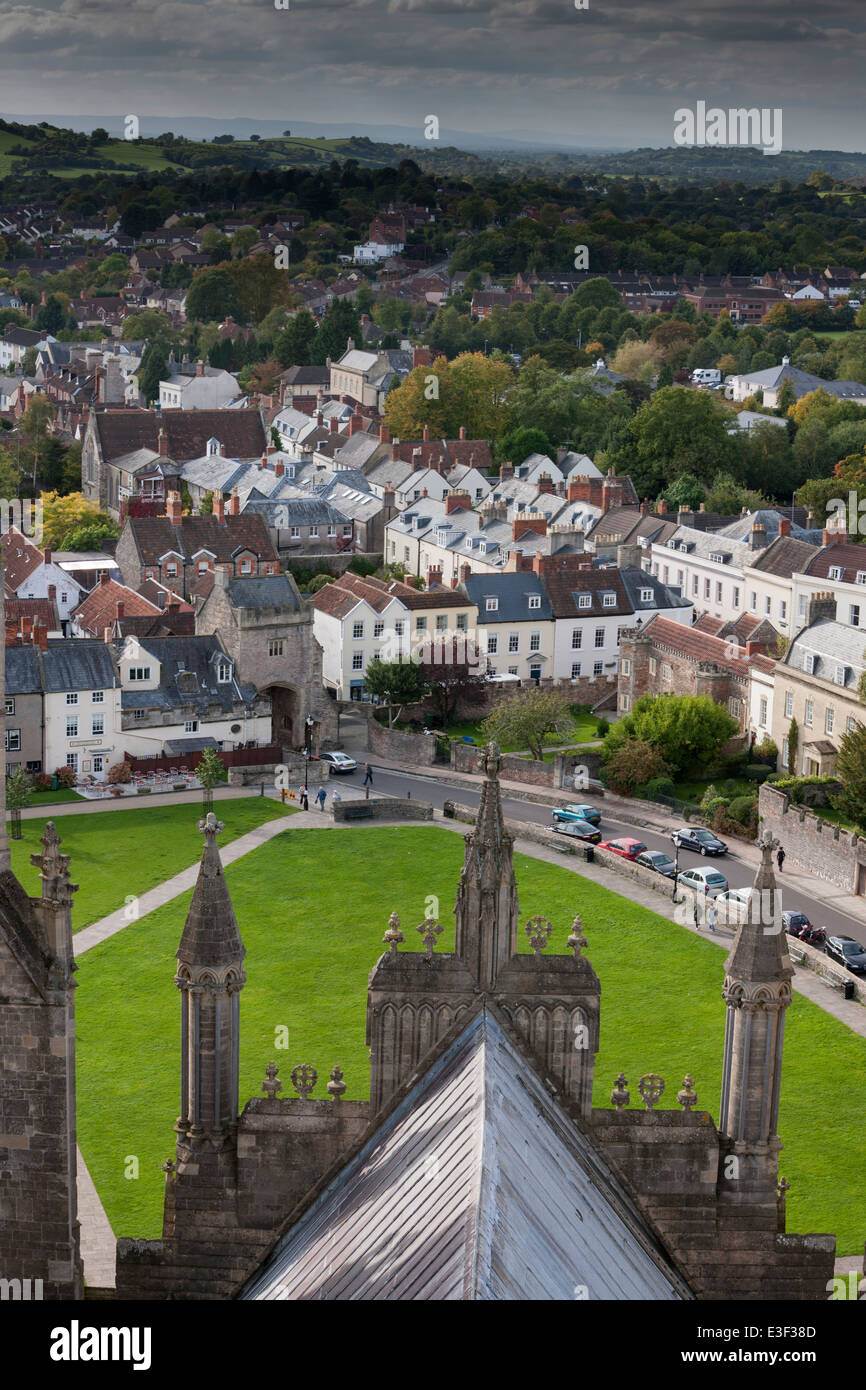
468 392
525 718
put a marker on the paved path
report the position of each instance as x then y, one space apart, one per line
97 1237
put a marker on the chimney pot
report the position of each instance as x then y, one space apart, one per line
119 610
174 508
784 526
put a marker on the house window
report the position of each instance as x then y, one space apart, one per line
171 569
734 708
138 713
706 588
575 670
514 641
295 534
599 636
597 668
625 666
461 622
850 724
762 712
246 566
577 638
347 531
97 726
420 624
332 530
190 726
98 697
783 753
314 531
667 671
625 702
71 697
275 646
646 595
736 598
492 643
809 663
72 761
224 672
854 615
584 600
139 673
695 585
680 577
609 601
802 605
357 661
399 627
753 602
10 705
718 593
491 605
652 665
807 717
442 622
203 567
829 720
535 600
13 740
357 630
665 574
535 641
789 703
768 605
512 671
71 727
378 629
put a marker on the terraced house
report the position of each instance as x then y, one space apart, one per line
817 685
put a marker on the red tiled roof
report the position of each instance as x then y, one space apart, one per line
700 646
851 559
99 608
155 536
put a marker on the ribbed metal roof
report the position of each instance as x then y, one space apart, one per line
477 1186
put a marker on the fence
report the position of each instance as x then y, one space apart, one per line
236 757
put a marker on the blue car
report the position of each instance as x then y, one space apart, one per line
578 811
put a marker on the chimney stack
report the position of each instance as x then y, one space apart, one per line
465 573
219 508
833 536
384 434
199 368
758 537
174 508
462 431
162 444
821 606
335 424
119 610
279 469
784 526
434 576
545 483
644 507
457 500
47 555
263 462
356 423
662 507
234 503
535 522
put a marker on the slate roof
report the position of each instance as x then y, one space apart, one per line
564 587
240 431
23 673
741 528
77 664
512 591
297 511
201 690
785 555
834 646
476 1186
270 591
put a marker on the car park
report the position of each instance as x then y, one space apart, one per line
696 838
626 848
338 762
658 861
847 952
578 810
797 924
578 830
707 882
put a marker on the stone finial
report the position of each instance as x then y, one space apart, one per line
429 930
539 930
652 1088
53 866
783 1187
620 1095
393 936
168 1168
688 1096
336 1085
577 940
767 844
210 827
304 1078
490 760
272 1083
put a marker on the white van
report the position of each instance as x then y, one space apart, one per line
706 376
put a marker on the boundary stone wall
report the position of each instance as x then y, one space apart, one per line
824 849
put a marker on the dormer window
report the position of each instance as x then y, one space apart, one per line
608 600
535 600
840 674
213 447
861 577
835 572
584 600
224 672
646 595
491 605
809 663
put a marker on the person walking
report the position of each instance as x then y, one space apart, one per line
368 775
780 857
711 916
321 794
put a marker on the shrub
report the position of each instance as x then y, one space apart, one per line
633 765
119 773
42 782
741 808
65 776
766 751
713 807
711 794
730 786
660 786
602 728
758 772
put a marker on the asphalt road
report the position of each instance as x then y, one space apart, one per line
737 870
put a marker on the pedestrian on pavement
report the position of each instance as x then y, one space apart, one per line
320 797
696 912
305 800
368 775
711 916
780 857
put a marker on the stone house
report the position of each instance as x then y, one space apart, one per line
817 684
181 551
513 626
266 627
81 707
23 703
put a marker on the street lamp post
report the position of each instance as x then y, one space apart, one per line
676 871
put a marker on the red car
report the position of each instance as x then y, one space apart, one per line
629 849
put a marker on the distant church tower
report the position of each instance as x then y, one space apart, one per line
757 991
39 1242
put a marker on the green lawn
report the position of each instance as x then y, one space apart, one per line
118 853
312 907
582 730
693 790
55 798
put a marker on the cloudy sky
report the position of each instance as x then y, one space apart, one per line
610 75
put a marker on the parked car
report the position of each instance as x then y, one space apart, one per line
339 762
703 881
578 810
704 841
798 924
627 848
847 952
733 905
658 861
578 830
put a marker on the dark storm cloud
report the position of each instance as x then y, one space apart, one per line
612 74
